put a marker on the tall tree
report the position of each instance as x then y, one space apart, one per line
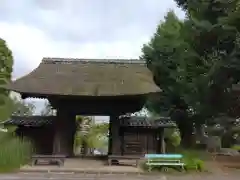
225 127
215 39
84 126
196 61
22 108
47 110
90 135
169 57
96 134
6 67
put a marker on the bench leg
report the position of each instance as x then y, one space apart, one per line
149 168
60 162
165 169
109 162
63 162
136 163
34 162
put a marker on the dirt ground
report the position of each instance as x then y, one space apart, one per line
45 176
217 170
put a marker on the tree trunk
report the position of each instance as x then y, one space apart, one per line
84 148
186 135
185 125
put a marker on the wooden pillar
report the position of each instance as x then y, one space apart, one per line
65 127
71 133
114 138
162 142
110 137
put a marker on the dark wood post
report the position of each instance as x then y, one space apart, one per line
162 142
71 133
114 138
110 137
65 127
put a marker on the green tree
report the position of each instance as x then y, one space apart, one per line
225 127
214 37
195 62
90 135
22 108
47 110
82 138
96 135
6 67
168 56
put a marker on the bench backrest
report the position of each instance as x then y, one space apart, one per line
170 156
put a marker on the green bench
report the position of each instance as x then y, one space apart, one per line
164 160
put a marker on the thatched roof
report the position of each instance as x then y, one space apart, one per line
87 77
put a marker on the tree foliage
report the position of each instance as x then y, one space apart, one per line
167 56
22 108
6 67
195 61
96 137
173 137
227 128
91 135
162 55
214 37
47 110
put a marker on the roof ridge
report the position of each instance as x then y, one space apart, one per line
55 60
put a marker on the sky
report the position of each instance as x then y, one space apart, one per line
34 29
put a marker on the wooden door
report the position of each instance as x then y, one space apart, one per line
132 144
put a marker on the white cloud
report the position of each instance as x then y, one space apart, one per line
27 43
81 29
30 44
34 29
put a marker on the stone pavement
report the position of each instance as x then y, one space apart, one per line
59 176
72 176
81 166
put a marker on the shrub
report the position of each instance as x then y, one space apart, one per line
193 164
143 165
192 160
14 152
174 137
236 147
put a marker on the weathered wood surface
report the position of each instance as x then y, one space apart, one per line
59 159
116 158
136 141
65 128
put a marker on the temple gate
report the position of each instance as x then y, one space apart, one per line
107 87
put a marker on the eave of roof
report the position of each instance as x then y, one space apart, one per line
31 121
145 122
87 77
